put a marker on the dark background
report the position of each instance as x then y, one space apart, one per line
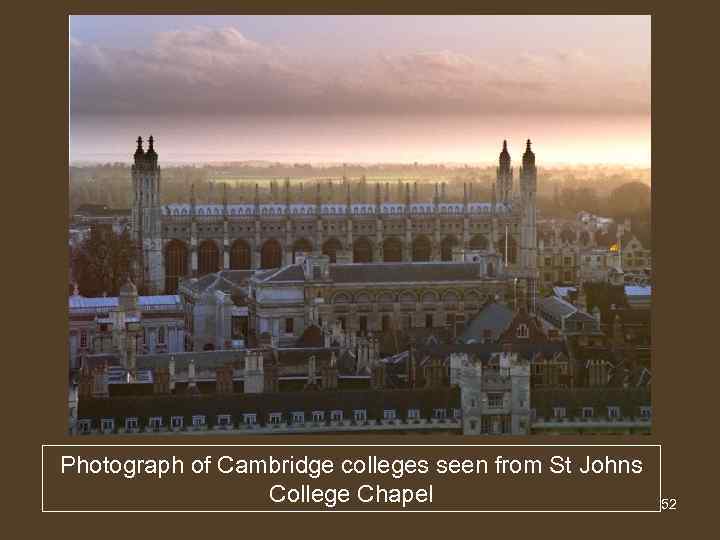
685 159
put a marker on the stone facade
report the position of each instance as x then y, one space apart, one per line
190 240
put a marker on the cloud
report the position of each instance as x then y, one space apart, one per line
219 70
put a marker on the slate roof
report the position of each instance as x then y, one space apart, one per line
105 303
629 400
486 350
211 405
404 272
225 281
293 272
493 317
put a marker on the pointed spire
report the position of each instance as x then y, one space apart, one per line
407 194
378 198
151 151
139 152
528 157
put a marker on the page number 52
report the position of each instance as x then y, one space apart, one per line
668 504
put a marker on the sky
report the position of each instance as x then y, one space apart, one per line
361 88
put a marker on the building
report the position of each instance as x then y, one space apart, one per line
368 297
191 240
216 311
100 325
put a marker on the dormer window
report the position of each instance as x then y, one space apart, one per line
522 331
84 426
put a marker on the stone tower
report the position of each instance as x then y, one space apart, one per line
127 329
528 229
504 183
146 219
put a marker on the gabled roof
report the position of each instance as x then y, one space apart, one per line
493 317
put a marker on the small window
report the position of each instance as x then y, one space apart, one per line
588 412
289 325
413 414
645 412
523 331
342 322
389 414
131 423
177 422
428 320
298 417
155 422
336 416
440 413
559 412
318 416
360 415
473 425
84 426
108 424
83 339
275 418
495 400
224 420
161 335
250 419
613 412
199 420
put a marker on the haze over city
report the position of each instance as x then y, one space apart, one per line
361 89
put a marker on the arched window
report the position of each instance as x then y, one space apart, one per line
479 241
421 249
522 331
446 248
301 245
176 264
271 254
330 248
208 258
240 258
392 250
362 251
